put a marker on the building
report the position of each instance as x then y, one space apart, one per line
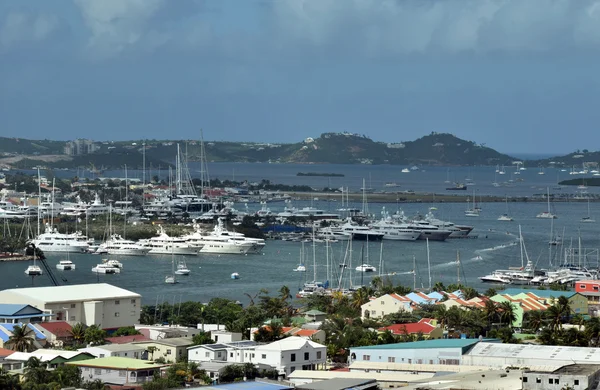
426 328
58 333
118 370
52 357
340 384
384 305
291 353
440 351
522 303
101 304
119 350
21 313
574 376
590 289
232 352
577 302
157 332
221 336
81 146
500 355
171 349
126 339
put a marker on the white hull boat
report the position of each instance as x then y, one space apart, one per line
65 265
105 269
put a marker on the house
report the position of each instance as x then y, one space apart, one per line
21 313
316 335
439 351
156 332
233 352
6 330
577 302
118 370
52 357
315 316
119 350
221 336
522 303
291 353
426 328
590 289
101 304
126 339
386 304
58 333
171 349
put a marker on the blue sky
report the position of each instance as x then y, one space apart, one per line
520 76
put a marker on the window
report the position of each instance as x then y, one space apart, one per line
71 318
252 355
263 356
293 357
367 357
538 380
556 381
219 354
582 286
133 302
231 354
101 355
576 383
551 381
125 354
524 379
72 306
168 351
318 354
117 314
391 359
382 302
122 373
97 371
306 355
117 302
207 354
132 312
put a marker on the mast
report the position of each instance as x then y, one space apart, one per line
458 267
381 259
314 255
414 272
52 204
521 246
39 201
428 264
126 204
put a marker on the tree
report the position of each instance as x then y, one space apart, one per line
439 287
22 339
470 293
35 371
507 313
126 331
534 320
490 311
202 338
78 333
9 381
94 335
151 350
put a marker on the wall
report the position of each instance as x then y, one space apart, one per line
282 360
134 352
541 381
169 353
409 356
200 355
116 376
384 305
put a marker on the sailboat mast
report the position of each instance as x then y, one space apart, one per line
521 246
457 267
314 254
428 264
39 201
414 272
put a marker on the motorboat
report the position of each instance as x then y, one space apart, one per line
214 242
362 233
505 217
182 268
104 268
366 268
495 277
394 231
170 279
333 234
53 241
166 245
113 263
235 276
311 288
65 265
300 268
221 231
457 187
117 245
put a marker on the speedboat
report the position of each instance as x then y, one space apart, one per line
112 263
170 279
117 245
505 217
65 265
235 275
104 268
546 214
495 277
366 268
182 268
300 268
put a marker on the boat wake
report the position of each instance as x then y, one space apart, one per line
497 247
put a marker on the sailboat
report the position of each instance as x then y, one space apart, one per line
314 287
541 172
472 212
65 265
170 279
34 269
505 216
589 218
554 240
301 267
547 214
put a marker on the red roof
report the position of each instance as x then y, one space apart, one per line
306 332
5 352
57 328
127 339
410 328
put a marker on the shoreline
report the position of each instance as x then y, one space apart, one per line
16 257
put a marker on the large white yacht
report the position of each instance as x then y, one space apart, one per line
163 244
362 233
220 231
117 245
213 243
394 231
53 241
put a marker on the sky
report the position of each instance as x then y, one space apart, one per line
518 76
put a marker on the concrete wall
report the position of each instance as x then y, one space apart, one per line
202 354
134 352
116 376
409 356
169 353
550 381
288 361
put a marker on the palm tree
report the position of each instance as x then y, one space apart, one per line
78 333
151 350
95 335
564 306
507 312
359 298
491 312
35 371
22 339
469 293
535 320
441 315
554 314
9 381
439 287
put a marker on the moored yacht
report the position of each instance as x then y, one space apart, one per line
53 241
104 268
217 243
366 268
165 245
221 231
362 233
65 265
117 245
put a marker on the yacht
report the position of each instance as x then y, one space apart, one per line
163 244
313 213
65 265
221 231
96 207
394 231
505 217
117 245
104 268
300 268
235 276
332 234
495 277
113 263
34 269
455 230
366 268
182 268
362 233
217 243
53 241
311 288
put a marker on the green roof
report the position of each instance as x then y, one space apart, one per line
115 362
427 344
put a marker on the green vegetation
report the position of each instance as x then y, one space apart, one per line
592 182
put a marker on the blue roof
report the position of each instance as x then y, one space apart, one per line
11 309
250 386
9 327
427 344
540 293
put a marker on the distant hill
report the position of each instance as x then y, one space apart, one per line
333 148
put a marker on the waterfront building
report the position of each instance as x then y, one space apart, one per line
590 289
574 376
101 304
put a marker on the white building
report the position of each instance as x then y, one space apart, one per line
231 352
574 376
386 304
101 304
158 332
120 350
118 370
290 354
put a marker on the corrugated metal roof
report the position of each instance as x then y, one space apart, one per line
7 330
425 344
538 353
71 293
249 386
540 293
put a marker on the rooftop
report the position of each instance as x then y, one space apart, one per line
540 293
172 342
337 383
6 352
16 310
127 339
76 292
578 369
115 347
542 354
410 328
115 362
57 328
250 385
426 344
289 343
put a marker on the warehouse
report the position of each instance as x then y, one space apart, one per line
101 304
